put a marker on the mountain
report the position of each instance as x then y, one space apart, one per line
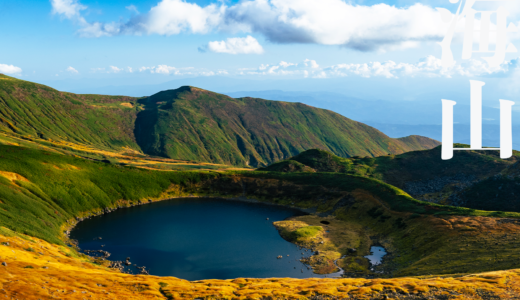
401 118
473 179
37 111
313 160
189 123
420 112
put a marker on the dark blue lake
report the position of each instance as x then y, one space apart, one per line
197 239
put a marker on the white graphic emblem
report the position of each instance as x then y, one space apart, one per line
506 135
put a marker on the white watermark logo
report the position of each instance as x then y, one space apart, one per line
506 135
486 27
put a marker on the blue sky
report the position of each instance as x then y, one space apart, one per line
78 44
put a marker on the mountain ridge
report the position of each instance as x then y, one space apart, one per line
190 123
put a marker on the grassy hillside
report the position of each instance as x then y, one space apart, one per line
188 124
40 190
33 110
40 270
42 194
418 142
473 179
313 160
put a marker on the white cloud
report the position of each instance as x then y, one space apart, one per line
97 29
426 67
70 9
327 22
311 63
142 69
10 69
207 73
132 8
307 68
114 69
164 69
175 16
336 22
247 45
72 70
189 71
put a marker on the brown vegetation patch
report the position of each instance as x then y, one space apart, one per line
36 269
484 224
13 176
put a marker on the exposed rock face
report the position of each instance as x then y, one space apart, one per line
103 254
117 265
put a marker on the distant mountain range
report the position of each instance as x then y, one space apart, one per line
385 107
191 124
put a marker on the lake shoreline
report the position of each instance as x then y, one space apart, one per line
120 265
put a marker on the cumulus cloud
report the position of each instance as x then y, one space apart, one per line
327 22
336 22
306 68
70 9
189 71
114 69
429 66
10 69
72 70
247 45
426 67
175 16
164 69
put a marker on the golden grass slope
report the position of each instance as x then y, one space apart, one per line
36 269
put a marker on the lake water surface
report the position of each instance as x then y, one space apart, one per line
376 255
197 239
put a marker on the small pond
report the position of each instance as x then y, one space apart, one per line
376 255
197 239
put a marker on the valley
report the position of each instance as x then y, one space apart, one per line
451 229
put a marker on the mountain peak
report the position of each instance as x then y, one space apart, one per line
190 123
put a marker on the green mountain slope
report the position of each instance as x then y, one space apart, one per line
189 124
34 110
313 160
473 179
418 142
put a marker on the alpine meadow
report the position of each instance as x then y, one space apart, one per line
259 150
